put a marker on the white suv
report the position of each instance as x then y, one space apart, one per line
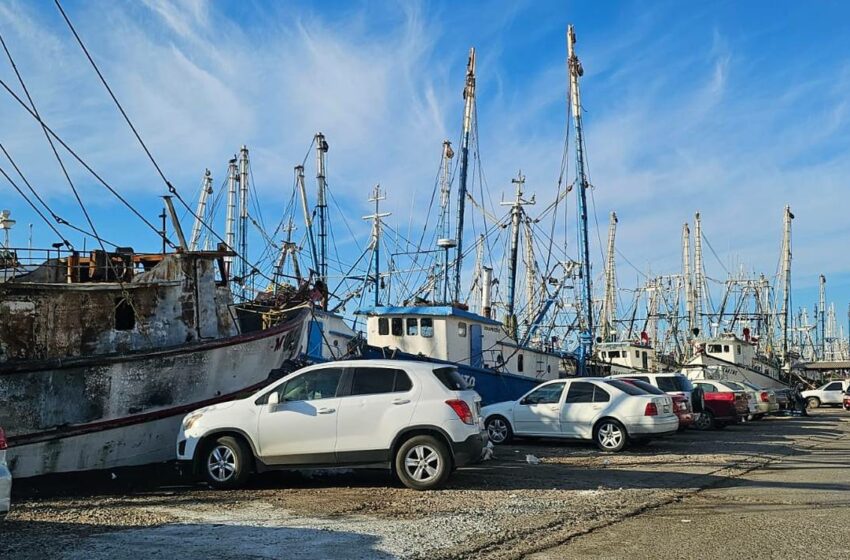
418 419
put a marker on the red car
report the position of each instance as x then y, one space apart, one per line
723 405
681 404
846 401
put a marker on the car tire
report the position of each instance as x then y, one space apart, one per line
226 462
499 430
705 421
610 436
812 402
423 463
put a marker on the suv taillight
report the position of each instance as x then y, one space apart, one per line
462 410
764 397
651 410
3 443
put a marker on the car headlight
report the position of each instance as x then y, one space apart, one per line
191 420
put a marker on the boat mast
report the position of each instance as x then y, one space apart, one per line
230 221
516 216
243 218
445 242
822 317
377 197
322 205
698 275
686 275
609 302
469 103
308 220
200 211
531 273
786 281
586 312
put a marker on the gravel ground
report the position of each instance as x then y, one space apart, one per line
504 508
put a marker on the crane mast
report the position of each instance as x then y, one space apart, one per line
585 348
469 103
822 317
516 216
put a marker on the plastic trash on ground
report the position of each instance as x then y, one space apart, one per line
532 459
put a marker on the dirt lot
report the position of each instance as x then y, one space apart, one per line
504 508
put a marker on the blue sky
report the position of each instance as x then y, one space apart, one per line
730 108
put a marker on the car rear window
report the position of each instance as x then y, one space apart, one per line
625 387
672 383
648 387
732 385
452 380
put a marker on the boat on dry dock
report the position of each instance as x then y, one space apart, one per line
101 355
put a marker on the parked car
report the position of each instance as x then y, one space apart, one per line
755 410
828 393
418 419
847 400
722 405
765 398
784 399
608 411
5 478
681 403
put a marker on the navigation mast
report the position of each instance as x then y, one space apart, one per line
230 221
609 302
586 313
322 205
469 103
516 215
200 211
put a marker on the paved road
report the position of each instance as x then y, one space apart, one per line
795 507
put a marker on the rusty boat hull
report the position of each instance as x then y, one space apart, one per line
125 410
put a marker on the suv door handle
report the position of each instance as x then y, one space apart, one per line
326 410
401 401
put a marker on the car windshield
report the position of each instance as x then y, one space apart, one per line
643 385
674 383
626 387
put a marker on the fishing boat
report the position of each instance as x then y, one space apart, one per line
102 354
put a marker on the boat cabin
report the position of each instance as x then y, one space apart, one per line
629 355
455 335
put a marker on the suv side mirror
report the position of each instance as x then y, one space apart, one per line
273 400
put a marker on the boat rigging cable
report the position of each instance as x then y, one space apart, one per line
171 188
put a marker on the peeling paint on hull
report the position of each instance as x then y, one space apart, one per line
77 417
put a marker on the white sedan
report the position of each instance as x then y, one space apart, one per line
608 411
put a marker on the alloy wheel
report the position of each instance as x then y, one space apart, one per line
221 463
497 429
610 435
422 463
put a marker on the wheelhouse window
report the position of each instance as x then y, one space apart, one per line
726 348
426 325
614 354
715 348
397 329
637 353
412 326
461 329
520 362
738 348
383 326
